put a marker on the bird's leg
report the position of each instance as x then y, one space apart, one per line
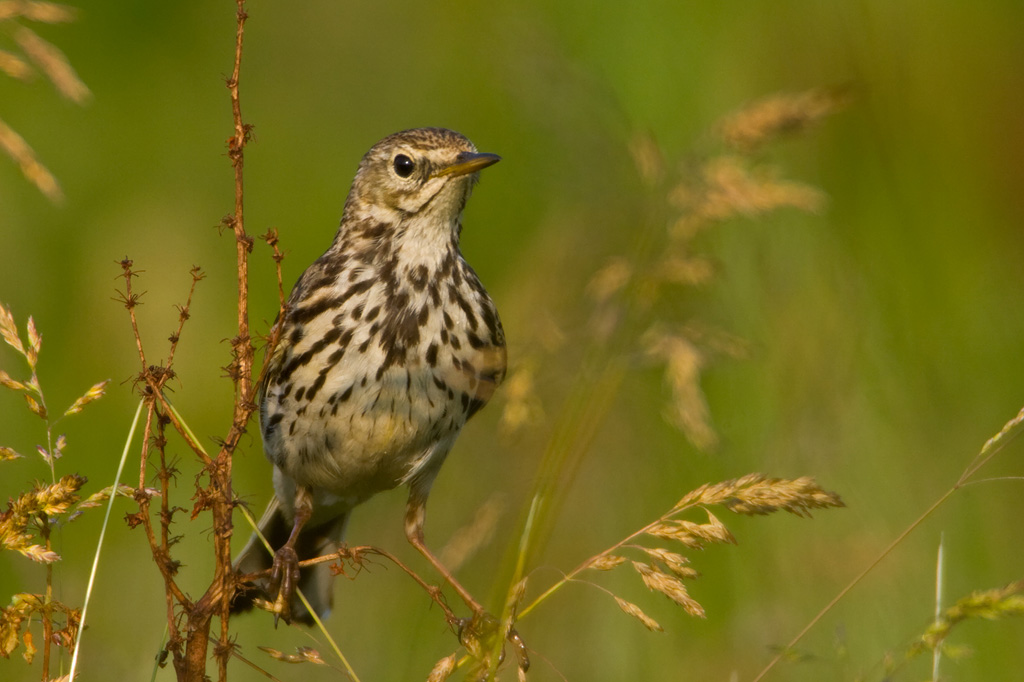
482 625
284 577
415 515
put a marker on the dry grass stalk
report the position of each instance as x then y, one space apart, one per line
685 269
35 172
767 495
705 192
728 187
49 60
648 158
14 66
780 114
26 526
610 280
684 362
760 494
665 570
54 64
31 390
628 293
43 12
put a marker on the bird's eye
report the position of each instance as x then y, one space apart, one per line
403 166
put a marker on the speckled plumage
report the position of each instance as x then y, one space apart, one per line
388 345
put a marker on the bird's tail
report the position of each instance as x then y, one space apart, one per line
316 582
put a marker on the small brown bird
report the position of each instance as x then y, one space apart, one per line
389 343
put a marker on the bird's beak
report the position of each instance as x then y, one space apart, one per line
468 162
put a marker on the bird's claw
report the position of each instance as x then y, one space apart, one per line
284 578
477 633
522 655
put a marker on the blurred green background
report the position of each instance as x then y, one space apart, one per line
885 334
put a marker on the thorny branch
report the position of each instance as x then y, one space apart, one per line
154 378
189 621
240 370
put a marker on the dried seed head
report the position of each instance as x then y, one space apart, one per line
6 380
685 269
675 530
39 554
759 494
98 498
606 562
779 114
728 187
797 496
684 363
95 392
716 532
56 498
610 279
443 669
676 563
8 329
44 12
634 610
14 145
15 67
52 62
647 157
35 406
669 586
35 343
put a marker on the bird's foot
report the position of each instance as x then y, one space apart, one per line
284 578
480 633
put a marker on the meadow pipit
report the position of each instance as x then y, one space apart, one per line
388 344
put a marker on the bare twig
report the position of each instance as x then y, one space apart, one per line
183 314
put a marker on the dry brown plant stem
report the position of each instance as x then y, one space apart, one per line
240 371
589 562
154 379
189 622
356 557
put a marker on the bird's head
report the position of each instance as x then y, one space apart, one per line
425 173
